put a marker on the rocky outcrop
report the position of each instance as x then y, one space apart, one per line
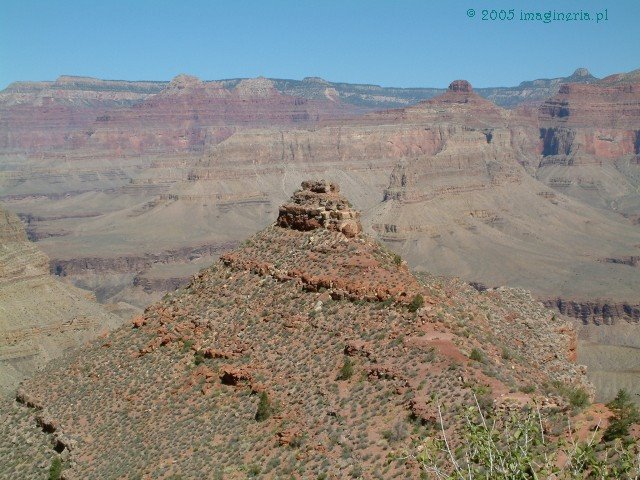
599 312
78 112
591 123
459 209
40 116
135 117
460 86
134 263
319 205
594 106
11 229
376 97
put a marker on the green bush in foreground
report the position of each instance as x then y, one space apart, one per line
514 447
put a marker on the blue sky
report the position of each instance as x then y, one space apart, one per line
387 42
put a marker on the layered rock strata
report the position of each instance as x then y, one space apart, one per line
40 317
318 204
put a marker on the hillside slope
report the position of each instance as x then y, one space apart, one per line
310 350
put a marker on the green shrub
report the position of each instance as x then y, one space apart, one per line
55 471
476 355
198 357
264 408
576 396
397 433
416 303
397 259
528 388
186 345
513 447
346 372
625 414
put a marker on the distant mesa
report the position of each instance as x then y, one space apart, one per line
460 86
318 204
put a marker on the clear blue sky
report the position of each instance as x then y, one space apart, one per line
388 42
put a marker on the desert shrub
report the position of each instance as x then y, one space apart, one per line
476 355
576 396
55 471
264 408
387 303
346 372
625 414
398 432
186 345
198 357
417 302
397 259
253 470
528 388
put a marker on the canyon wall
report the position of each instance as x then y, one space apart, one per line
40 317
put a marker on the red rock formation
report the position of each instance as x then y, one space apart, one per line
460 86
458 104
184 115
232 375
591 122
318 204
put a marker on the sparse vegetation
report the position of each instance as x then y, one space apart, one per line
576 395
274 336
186 345
528 388
198 358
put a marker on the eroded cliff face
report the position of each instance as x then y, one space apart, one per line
470 208
598 312
41 116
589 143
184 115
40 317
